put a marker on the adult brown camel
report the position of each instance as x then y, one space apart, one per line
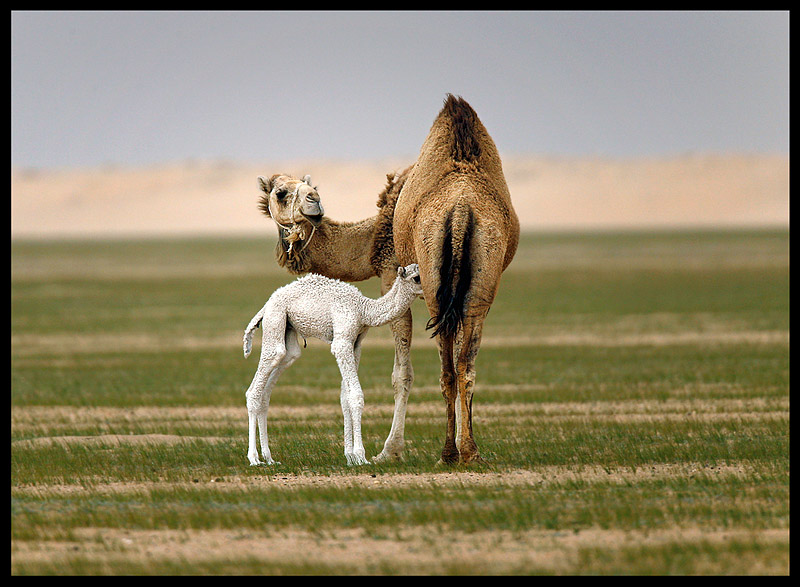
454 218
309 241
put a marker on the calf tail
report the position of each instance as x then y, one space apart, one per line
248 332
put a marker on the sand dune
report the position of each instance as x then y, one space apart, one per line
219 197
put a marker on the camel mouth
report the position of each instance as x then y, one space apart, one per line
314 219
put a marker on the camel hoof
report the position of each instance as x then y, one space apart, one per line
385 458
449 457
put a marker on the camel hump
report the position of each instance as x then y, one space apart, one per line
465 128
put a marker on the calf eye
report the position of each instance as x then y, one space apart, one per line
416 278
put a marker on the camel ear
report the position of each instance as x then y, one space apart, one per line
401 271
266 187
265 184
307 179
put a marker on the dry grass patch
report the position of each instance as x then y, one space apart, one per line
31 345
418 550
535 478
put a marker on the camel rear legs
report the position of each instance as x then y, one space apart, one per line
457 381
465 372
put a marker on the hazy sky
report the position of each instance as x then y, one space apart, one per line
92 88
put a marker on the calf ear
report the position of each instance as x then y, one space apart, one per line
401 271
265 184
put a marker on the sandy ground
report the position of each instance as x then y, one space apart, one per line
219 197
416 550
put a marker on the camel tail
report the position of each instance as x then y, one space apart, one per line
455 274
247 343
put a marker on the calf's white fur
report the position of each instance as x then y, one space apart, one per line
331 310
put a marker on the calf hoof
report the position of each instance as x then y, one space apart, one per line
252 456
265 463
355 460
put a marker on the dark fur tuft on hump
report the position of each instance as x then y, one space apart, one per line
464 120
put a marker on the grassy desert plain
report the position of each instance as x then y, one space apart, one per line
632 405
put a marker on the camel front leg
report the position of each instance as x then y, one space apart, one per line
402 379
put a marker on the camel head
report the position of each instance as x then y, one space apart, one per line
290 201
410 274
295 207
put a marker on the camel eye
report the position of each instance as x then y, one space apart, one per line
280 194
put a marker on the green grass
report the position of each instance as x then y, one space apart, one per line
567 507
619 353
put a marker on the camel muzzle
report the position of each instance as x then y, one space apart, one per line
314 218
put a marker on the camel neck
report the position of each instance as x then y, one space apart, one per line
389 306
342 250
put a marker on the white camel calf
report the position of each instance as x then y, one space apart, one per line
333 311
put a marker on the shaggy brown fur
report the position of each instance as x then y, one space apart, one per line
351 251
455 219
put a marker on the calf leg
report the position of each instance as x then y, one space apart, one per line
256 395
273 352
352 399
292 354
